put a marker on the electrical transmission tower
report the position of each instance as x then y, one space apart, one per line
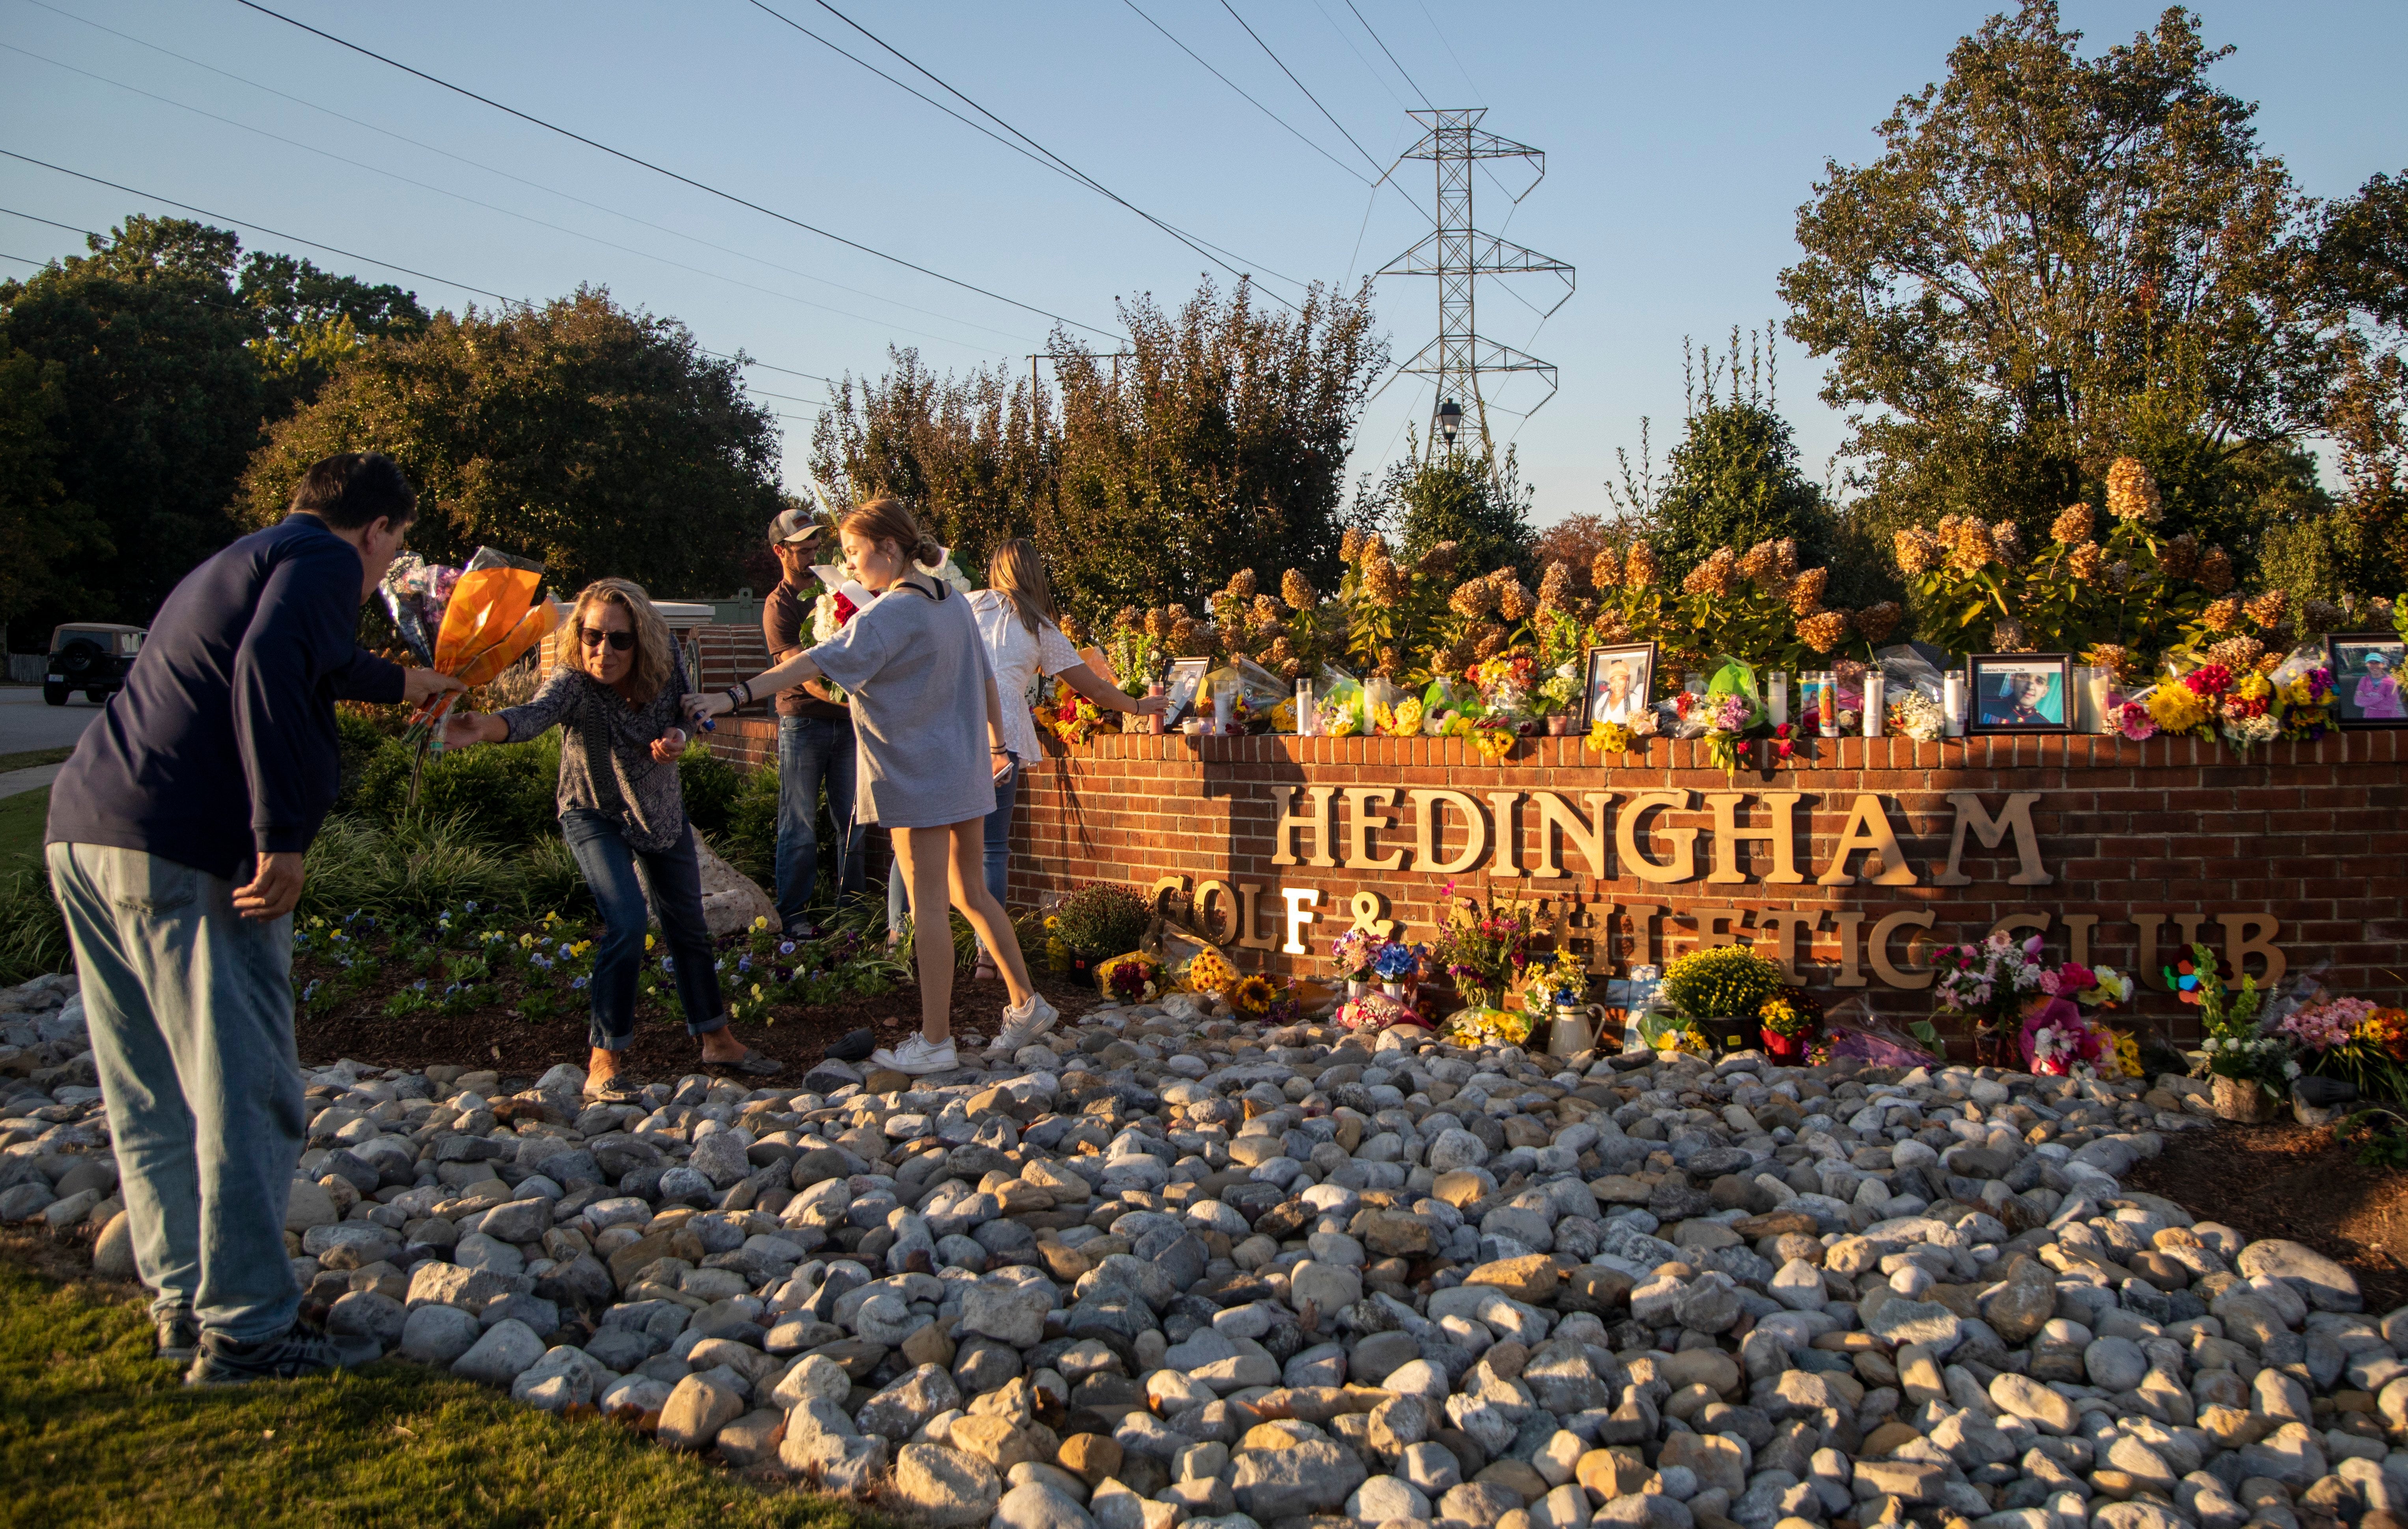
1459 255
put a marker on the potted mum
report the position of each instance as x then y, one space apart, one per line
1789 1022
1720 991
2246 1072
1100 921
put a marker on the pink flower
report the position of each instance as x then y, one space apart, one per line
2135 723
2031 946
2074 977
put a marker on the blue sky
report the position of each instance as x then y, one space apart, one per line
1680 141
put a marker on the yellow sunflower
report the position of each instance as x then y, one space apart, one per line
1252 996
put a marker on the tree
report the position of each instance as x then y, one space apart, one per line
161 372
2058 261
39 525
1478 502
1217 442
594 439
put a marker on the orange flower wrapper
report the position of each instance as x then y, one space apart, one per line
496 614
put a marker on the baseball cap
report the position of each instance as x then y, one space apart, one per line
795 527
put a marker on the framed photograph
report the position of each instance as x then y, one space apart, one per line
2020 692
1620 683
1179 686
2369 690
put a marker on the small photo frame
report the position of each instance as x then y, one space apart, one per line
1186 677
1618 682
2369 689
2020 692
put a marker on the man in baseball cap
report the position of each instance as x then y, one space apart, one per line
815 742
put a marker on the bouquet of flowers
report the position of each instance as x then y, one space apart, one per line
1398 962
1504 683
1493 737
487 615
1484 952
1133 978
1373 1011
1995 982
2190 703
2056 1041
1070 716
1480 1025
1354 950
1252 997
1917 716
2353 1039
1557 980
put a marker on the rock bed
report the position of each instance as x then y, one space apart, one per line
1170 1267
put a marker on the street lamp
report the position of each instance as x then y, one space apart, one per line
1450 421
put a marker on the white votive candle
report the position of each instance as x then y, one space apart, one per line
1777 696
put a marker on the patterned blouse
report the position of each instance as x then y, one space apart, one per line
606 751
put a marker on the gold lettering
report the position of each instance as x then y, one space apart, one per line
1849 920
1683 867
1370 909
2148 924
2187 924
1600 939
1220 927
1314 821
1167 893
1427 831
1879 949
1718 926
1248 893
2252 934
1727 835
2015 816
1300 902
1555 814
1788 923
2077 929
1509 840
1362 822
1867 828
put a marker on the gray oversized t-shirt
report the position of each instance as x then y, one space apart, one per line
917 674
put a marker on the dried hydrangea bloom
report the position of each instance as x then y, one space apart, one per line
1969 549
2108 655
2379 609
2006 637
2132 492
1157 623
1183 635
1388 659
2180 556
1491 642
1383 584
1297 590
2215 573
2223 615
1555 586
1605 569
1350 546
2072 525
1757 563
2269 609
1242 583
1073 629
1824 630
1639 569
1610 626
1785 557
1266 611
1473 600
2236 653
1449 659
1918 550
2007 540
1716 576
2119 574
1283 658
1513 602
1440 561
2320 616
2089 562
1877 622
1806 595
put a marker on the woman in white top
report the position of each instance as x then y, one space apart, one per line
1023 632
922 699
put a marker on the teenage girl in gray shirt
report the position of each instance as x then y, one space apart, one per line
928 725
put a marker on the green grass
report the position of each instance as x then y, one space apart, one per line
33 757
21 819
94 1432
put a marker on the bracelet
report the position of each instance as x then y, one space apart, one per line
734 700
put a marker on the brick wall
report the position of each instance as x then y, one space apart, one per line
2139 843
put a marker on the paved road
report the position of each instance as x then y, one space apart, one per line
26 722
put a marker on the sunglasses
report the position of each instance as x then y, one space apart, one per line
594 636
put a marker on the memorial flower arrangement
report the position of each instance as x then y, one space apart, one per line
1397 963
1068 715
1917 716
1483 951
1990 984
1558 979
1721 990
1607 737
2057 1041
1495 739
2355 1039
1252 996
1133 978
1354 951
1372 1011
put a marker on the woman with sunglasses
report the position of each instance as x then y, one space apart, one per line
620 808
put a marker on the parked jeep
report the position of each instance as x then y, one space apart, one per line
91 657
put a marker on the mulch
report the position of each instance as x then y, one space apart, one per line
501 1040
2293 1181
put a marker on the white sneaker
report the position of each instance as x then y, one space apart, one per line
1023 1023
916 1057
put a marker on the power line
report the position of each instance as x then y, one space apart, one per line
1449 46
1290 74
1035 152
1368 68
1392 58
536 185
241 222
1250 100
673 175
490 207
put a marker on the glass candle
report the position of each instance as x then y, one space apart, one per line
1153 720
1876 686
1776 695
1305 719
1827 702
1952 704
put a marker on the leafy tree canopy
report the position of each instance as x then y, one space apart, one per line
1476 500
595 439
151 364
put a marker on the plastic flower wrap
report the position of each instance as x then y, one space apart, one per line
2056 1039
1917 716
489 614
1494 739
1372 1011
1132 978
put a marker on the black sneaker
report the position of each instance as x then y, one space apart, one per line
856 1046
180 1334
299 1351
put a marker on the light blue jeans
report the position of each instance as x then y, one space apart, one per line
997 864
190 1007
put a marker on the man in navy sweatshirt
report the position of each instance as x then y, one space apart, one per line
175 845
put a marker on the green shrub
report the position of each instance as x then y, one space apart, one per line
32 932
415 868
1106 918
710 785
1720 982
750 841
506 794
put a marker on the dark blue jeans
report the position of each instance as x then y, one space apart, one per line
812 750
675 878
997 866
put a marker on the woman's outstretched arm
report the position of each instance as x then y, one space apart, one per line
795 671
1083 678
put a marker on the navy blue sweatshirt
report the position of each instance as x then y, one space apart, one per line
222 744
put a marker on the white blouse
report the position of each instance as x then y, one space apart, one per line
1018 659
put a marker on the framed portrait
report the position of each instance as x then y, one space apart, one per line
1620 680
2020 692
1179 687
2369 690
